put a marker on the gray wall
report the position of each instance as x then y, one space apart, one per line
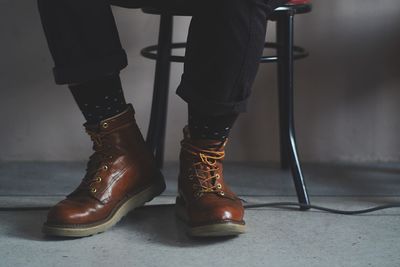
347 92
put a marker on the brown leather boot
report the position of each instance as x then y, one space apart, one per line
121 176
205 202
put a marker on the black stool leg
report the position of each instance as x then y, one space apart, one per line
283 110
156 133
282 97
285 27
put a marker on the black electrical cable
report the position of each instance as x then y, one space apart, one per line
316 207
281 205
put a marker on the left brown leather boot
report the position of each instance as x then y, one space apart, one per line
121 176
205 202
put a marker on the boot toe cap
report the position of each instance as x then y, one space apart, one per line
224 211
68 212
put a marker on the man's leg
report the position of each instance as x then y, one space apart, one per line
222 58
121 174
224 48
82 38
84 42
223 54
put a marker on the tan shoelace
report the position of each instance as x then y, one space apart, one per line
205 170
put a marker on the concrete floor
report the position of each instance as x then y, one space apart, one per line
151 236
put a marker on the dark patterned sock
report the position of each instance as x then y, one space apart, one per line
210 127
99 99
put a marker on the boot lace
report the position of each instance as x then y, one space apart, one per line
205 170
98 161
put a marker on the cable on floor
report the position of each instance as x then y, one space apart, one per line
289 205
279 205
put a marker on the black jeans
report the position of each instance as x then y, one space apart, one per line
225 42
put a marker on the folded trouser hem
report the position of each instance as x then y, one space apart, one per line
90 70
208 105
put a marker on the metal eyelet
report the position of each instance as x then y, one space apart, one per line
222 193
219 186
93 190
217 176
98 179
105 125
105 167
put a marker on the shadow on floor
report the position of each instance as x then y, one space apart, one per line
151 224
158 224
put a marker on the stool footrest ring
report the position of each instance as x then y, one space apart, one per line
150 52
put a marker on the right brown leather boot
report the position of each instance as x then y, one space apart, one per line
205 202
121 176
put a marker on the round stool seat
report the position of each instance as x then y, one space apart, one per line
184 9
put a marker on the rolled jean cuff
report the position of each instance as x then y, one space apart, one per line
87 71
208 105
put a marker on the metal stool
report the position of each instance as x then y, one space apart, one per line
287 52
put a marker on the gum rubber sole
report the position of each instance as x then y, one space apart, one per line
218 229
209 230
130 204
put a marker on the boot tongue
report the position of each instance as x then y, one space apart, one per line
205 144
